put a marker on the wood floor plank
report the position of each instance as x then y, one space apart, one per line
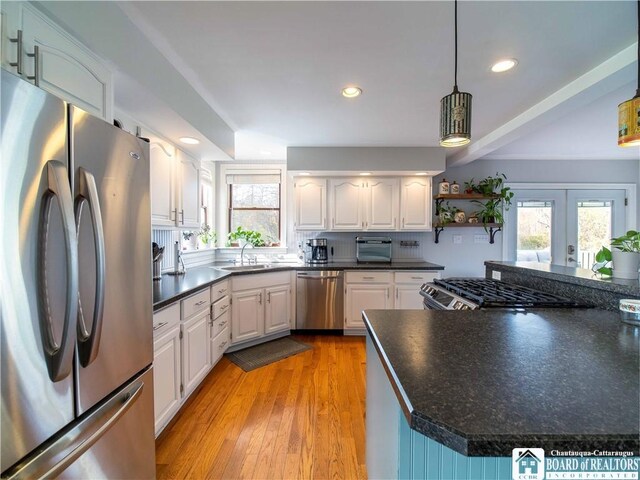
302 417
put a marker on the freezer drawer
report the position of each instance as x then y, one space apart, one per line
114 440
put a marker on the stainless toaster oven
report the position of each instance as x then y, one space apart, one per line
373 249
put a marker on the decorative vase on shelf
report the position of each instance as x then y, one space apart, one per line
443 187
625 264
460 217
454 188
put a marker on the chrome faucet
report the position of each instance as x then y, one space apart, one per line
242 253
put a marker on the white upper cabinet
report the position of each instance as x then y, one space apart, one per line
345 204
163 174
62 66
381 203
415 203
310 204
189 191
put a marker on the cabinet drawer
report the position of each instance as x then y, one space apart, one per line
369 277
166 319
219 324
195 303
259 280
220 343
415 277
221 306
219 290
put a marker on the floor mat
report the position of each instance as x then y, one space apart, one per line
260 355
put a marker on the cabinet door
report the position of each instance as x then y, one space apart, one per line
363 297
220 338
415 205
166 377
277 309
163 173
345 203
189 191
66 67
382 202
9 26
196 358
247 315
408 297
310 204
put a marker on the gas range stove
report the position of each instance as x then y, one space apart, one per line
474 293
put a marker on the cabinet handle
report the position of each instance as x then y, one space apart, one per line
416 278
160 325
182 216
222 290
201 302
268 297
222 324
387 293
260 298
175 215
368 278
224 307
18 62
394 222
36 66
362 224
402 222
222 345
396 294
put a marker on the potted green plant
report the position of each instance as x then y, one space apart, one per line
492 210
623 260
207 236
249 236
446 213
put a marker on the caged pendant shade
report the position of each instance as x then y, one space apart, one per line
629 111
455 108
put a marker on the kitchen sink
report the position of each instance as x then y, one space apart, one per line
244 268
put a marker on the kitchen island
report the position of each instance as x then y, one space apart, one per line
451 393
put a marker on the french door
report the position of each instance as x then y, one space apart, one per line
563 226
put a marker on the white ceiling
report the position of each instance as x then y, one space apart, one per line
273 70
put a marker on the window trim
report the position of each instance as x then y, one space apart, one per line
230 209
221 197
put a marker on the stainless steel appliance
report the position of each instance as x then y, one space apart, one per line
317 251
474 293
373 249
75 330
320 300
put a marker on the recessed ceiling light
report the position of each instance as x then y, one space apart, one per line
189 140
364 174
351 92
306 174
504 65
421 173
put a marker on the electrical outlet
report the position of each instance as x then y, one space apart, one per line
457 239
481 238
496 275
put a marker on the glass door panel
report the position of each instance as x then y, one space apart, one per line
534 219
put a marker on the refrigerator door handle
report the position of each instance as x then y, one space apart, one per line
89 340
55 456
58 356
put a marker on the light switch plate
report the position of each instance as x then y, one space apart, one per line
481 238
457 239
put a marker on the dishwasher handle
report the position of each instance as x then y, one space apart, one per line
312 276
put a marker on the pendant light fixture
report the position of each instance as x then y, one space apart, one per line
629 111
455 108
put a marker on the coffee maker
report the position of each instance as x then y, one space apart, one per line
316 253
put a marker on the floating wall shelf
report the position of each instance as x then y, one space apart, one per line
491 228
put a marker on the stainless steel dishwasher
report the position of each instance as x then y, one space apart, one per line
320 300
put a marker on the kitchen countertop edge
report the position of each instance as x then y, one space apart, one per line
217 275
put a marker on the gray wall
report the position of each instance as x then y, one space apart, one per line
468 258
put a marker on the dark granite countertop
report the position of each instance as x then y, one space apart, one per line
576 276
487 381
173 288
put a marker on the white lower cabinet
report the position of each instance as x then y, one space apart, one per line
407 287
277 317
362 297
247 315
196 358
220 336
261 306
166 377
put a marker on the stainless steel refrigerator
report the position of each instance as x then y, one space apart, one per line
75 293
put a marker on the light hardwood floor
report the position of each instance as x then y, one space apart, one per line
302 417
